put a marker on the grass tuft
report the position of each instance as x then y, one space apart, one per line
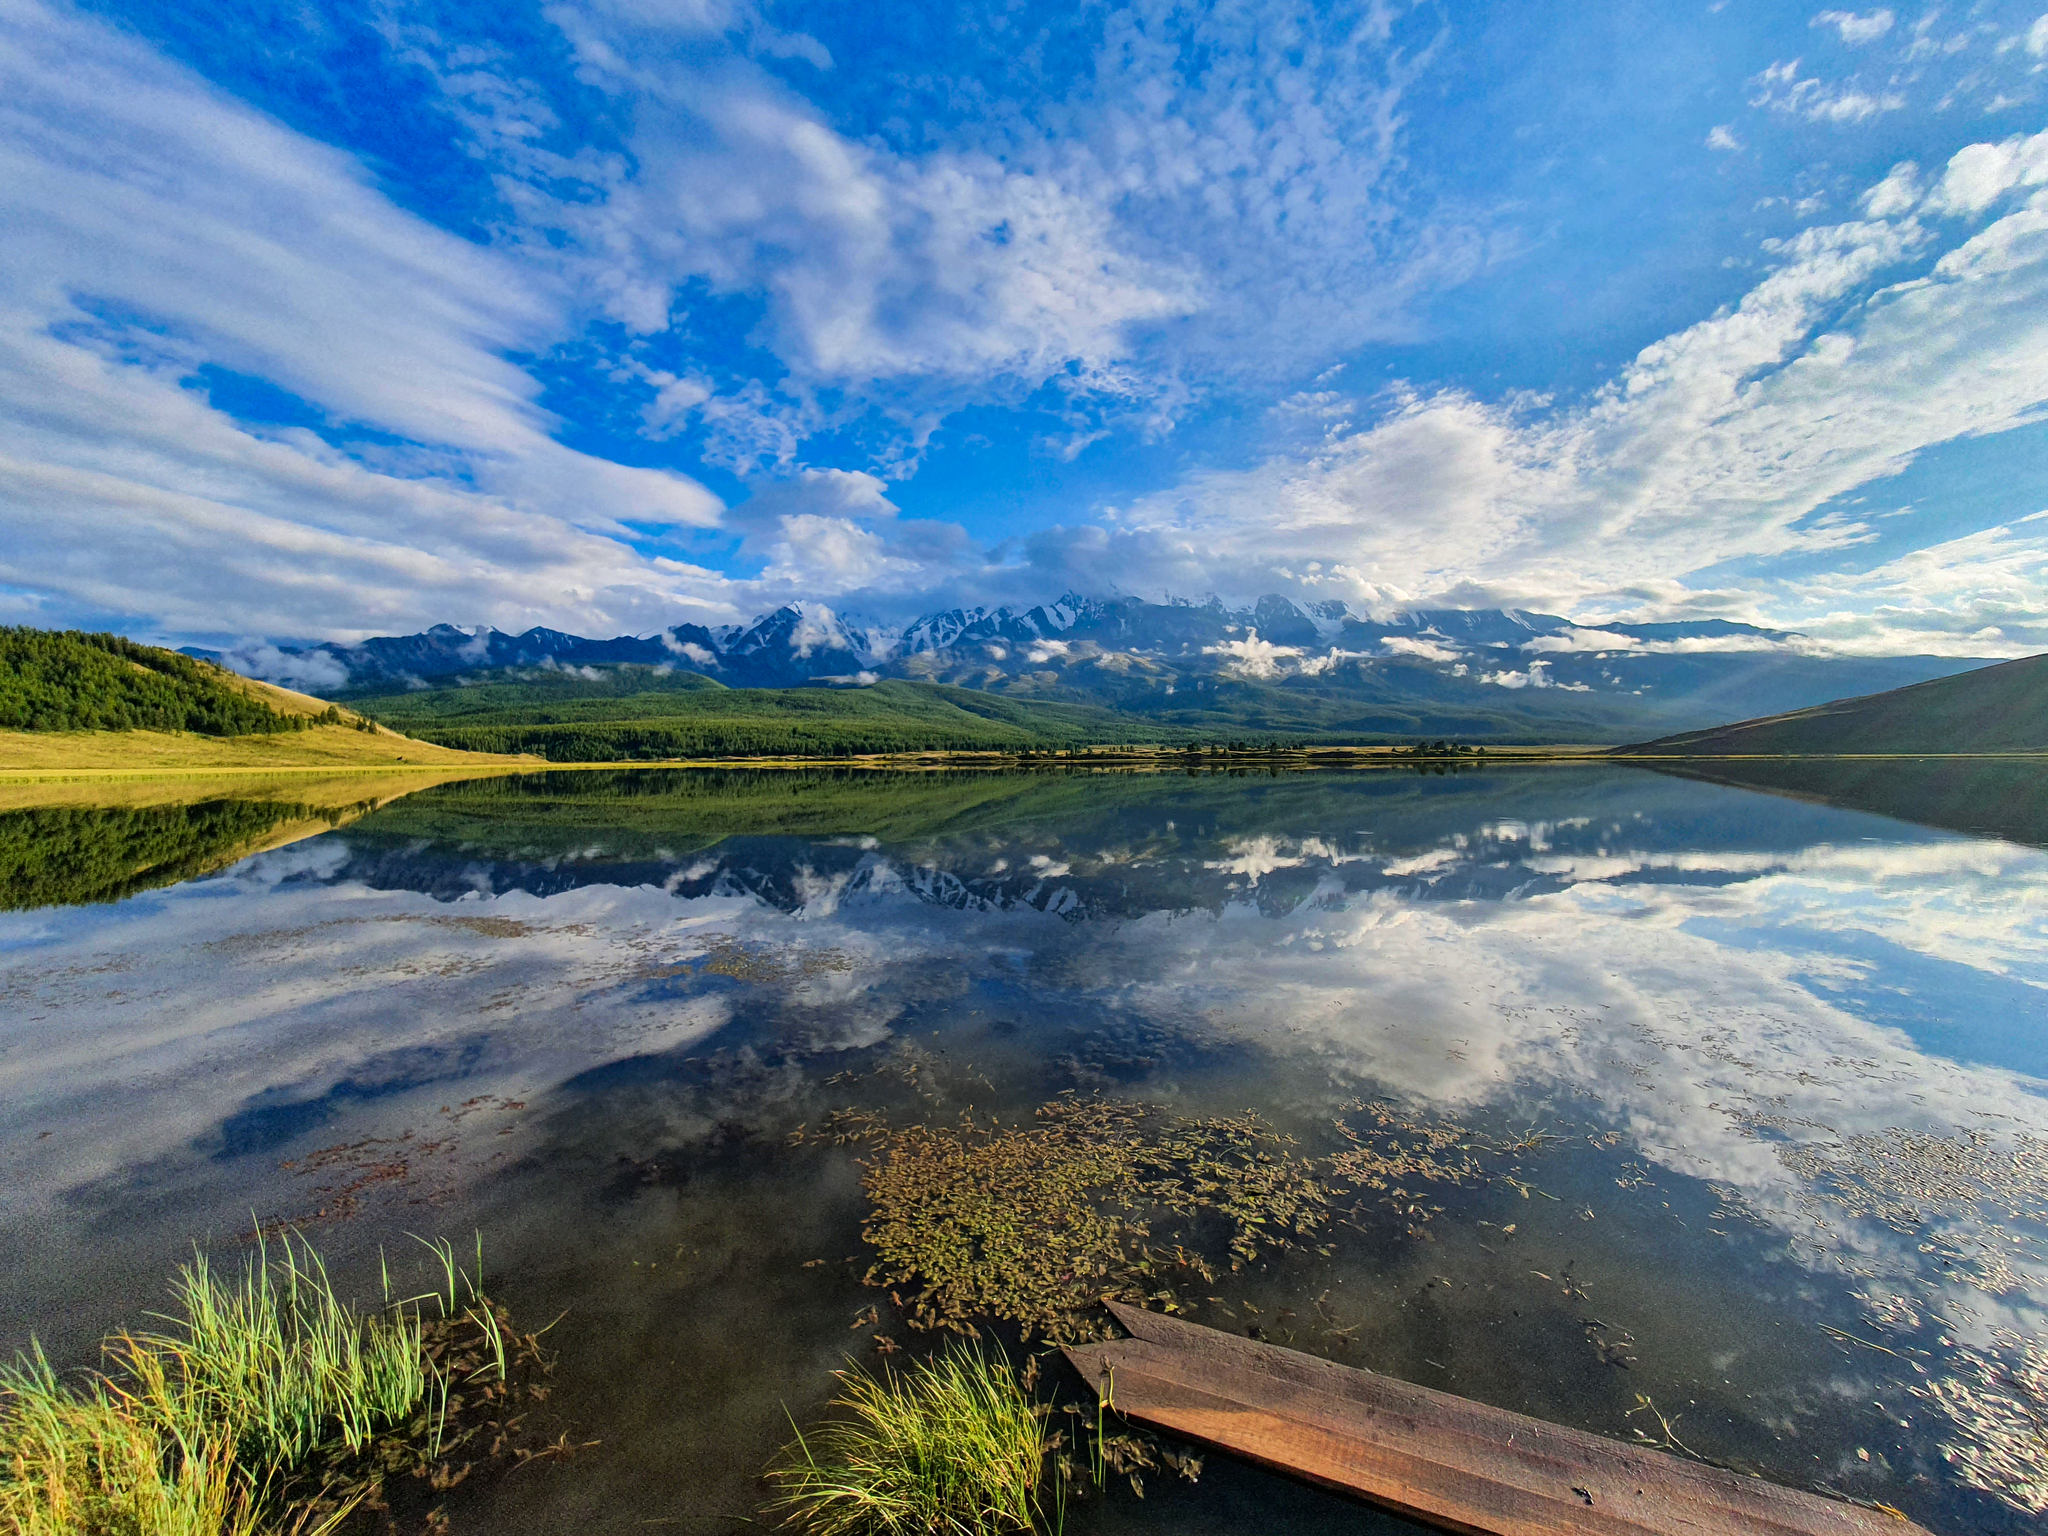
952 1445
263 1381
278 1358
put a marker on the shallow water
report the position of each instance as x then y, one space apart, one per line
1775 1073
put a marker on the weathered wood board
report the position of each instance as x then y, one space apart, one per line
1441 1460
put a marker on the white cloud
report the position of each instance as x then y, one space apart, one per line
1537 676
310 672
1722 442
1979 174
1898 193
2037 37
688 650
1855 29
1211 196
1784 90
151 227
1976 595
1425 650
1253 657
1722 137
950 266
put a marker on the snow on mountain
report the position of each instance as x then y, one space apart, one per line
1136 655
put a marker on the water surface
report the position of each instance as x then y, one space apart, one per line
1773 1072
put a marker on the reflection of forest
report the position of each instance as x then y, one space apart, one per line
1082 844
69 855
656 812
63 844
1988 797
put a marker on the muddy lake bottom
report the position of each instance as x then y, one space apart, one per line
1712 1116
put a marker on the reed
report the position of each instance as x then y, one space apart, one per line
193 1429
275 1356
952 1445
128 1455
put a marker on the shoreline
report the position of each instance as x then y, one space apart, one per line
447 763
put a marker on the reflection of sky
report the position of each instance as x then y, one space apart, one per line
1721 1003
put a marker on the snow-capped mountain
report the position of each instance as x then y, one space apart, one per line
1189 660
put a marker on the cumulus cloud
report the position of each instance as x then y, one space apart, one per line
1722 442
1212 197
1424 650
310 672
1253 657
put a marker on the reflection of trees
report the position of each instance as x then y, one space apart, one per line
71 855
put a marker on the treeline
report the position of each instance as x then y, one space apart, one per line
68 680
646 741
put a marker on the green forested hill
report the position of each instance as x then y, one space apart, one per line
628 713
68 680
2002 708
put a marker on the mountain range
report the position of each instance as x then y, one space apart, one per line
1275 666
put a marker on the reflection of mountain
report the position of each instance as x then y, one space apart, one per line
1080 845
1274 668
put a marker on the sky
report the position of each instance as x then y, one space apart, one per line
324 320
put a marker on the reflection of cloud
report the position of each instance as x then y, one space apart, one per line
1706 1000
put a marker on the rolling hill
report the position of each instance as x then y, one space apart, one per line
73 701
2001 708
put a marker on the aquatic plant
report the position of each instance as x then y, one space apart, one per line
951 1445
1038 1224
135 1456
268 1403
1999 1410
277 1356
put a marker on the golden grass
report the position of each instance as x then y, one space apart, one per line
319 746
345 793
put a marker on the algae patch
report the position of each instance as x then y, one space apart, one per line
1038 1224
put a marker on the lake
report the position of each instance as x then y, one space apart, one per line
1719 1116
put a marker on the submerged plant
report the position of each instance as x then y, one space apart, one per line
951 1445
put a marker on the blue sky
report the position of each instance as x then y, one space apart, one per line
338 319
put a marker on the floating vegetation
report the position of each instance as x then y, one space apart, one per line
1391 1150
952 1444
269 1403
2000 1411
1038 1224
1956 1193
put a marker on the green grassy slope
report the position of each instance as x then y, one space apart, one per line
68 680
635 713
2001 708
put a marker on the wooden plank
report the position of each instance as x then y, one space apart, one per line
1442 1460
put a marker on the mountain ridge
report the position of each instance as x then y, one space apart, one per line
1275 665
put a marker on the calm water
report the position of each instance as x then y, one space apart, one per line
1779 1071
